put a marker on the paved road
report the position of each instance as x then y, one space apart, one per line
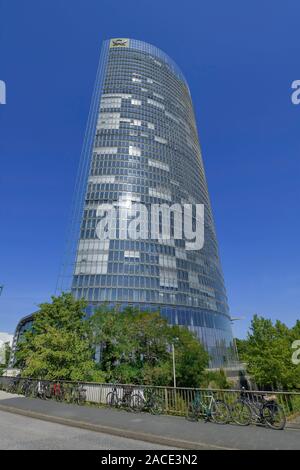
169 431
22 433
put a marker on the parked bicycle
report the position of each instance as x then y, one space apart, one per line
43 390
148 400
262 409
208 407
78 395
28 388
57 391
123 399
13 385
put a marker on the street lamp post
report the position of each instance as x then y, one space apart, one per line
1 289
174 365
232 319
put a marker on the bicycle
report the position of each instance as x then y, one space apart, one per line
261 409
78 395
43 390
213 410
113 399
13 385
148 400
57 392
28 388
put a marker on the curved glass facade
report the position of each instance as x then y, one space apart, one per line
142 146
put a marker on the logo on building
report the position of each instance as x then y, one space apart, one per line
2 92
119 42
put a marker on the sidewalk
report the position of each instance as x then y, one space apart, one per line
165 430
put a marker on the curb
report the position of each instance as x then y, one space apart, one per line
125 433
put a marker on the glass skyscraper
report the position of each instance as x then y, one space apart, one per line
141 147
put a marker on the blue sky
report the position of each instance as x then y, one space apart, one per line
239 58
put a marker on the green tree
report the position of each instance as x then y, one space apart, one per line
190 356
136 348
129 340
268 354
7 353
241 345
58 345
4 356
216 379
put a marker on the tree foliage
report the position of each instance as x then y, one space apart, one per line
5 353
191 358
216 379
58 345
136 348
268 354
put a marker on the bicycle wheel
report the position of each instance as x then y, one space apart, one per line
241 413
111 399
219 412
193 413
274 416
34 391
157 407
137 403
69 395
27 390
82 396
59 394
43 394
125 401
48 393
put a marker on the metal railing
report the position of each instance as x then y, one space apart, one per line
175 400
